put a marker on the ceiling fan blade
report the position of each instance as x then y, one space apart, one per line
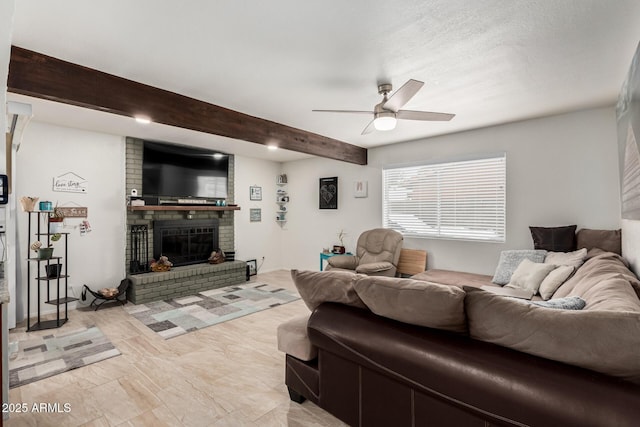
343 111
401 96
424 115
370 128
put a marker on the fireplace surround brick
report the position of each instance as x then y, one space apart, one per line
186 280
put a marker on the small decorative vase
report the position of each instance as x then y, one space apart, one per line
45 253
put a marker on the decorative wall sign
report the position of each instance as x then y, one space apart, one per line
73 212
255 215
329 193
255 193
70 183
628 116
360 189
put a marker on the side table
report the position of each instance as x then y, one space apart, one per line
326 255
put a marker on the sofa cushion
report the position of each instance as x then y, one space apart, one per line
316 287
605 283
574 258
554 280
557 239
294 340
454 278
345 262
414 301
374 267
529 275
509 261
603 341
607 240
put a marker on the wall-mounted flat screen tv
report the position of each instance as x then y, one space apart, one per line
179 171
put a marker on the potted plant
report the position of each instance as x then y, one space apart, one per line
45 253
339 249
56 219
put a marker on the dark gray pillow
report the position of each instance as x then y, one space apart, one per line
554 239
607 240
510 260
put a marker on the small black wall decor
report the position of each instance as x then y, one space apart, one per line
329 193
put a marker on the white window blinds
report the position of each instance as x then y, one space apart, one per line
455 200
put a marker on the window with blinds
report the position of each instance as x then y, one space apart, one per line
455 200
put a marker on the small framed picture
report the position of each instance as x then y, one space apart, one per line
360 189
255 193
329 193
255 215
253 267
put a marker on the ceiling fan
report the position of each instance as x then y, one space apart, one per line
387 112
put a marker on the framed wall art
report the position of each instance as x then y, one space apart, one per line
255 215
360 189
255 193
329 193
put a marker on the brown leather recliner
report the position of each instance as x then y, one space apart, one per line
377 254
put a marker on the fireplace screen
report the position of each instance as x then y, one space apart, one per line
185 241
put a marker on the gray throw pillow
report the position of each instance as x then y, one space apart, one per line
510 260
567 303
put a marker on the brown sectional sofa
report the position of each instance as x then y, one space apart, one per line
513 364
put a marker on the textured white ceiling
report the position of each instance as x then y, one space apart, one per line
489 62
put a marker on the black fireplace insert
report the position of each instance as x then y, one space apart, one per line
185 242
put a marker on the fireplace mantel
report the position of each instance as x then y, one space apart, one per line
183 208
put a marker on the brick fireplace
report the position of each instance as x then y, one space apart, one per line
191 277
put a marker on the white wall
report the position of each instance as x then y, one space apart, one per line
561 170
48 151
255 240
310 229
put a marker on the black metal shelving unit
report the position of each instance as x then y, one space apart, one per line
60 281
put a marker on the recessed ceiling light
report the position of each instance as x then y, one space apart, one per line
272 147
143 120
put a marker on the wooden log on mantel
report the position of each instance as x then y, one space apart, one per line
41 76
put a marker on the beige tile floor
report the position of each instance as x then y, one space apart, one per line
229 374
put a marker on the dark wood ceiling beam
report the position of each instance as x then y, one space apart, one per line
41 76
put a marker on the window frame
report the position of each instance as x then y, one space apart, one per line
446 226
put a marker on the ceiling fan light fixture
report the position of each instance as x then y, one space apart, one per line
385 121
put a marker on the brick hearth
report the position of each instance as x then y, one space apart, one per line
184 281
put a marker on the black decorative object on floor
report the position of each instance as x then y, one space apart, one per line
107 295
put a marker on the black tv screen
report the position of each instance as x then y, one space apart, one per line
179 171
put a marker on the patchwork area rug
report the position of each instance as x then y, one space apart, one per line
42 357
178 316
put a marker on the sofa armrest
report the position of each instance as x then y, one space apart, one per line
374 267
348 262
